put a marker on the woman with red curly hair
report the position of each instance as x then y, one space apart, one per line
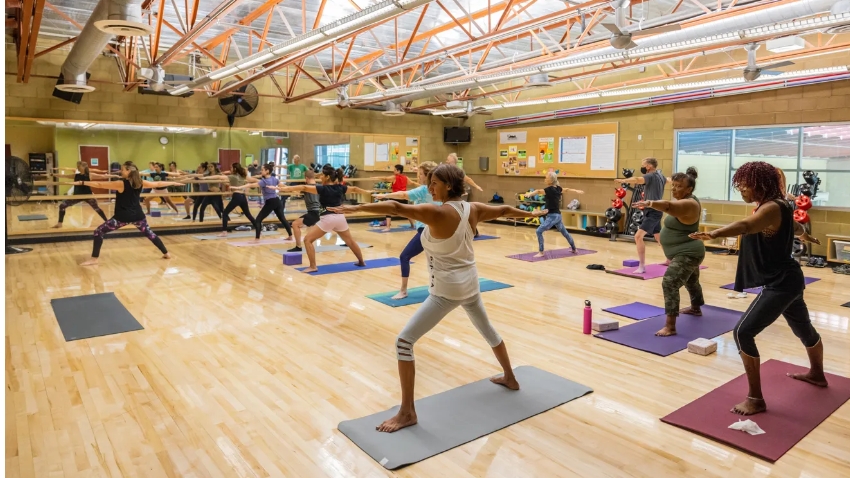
765 260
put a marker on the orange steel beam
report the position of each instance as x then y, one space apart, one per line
210 20
308 75
77 24
201 49
260 37
33 39
413 33
319 14
194 14
504 16
454 20
345 59
157 31
56 46
265 30
23 36
246 21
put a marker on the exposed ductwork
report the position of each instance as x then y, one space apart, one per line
109 18
769 16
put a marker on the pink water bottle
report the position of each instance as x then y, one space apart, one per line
588 317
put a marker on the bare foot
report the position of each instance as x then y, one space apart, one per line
360 264
666 331
58 225
814 379
750 406
539 254
396 423
90 262
666 263
289 239
311 269
166 256
640 270
387 229
692 311
402 294
222 234
510 383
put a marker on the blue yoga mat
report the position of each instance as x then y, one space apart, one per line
483 237
349 266
417 295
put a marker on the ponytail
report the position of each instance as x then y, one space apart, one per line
83 167
133 175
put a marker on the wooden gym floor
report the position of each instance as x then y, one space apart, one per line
246 366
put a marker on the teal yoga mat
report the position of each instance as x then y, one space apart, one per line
417 295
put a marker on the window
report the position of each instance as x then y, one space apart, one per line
337 155
717 154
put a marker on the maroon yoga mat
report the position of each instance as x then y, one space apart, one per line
794 408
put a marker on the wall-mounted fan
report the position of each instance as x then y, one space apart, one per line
19 187
240 102
753 71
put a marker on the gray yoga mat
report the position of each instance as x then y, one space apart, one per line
460 415
32 217
95 315
234 235
331 248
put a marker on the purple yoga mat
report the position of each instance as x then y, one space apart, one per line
551 254
757 290
636 310
794 409
715 321
653 271
263 242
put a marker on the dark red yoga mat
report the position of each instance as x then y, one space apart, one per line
794 408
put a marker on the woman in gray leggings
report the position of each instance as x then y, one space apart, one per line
447 240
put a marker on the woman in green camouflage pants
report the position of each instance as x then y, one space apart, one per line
685 254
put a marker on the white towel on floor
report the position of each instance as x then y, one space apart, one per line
748 426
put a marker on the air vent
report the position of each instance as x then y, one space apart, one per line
275 134
72 88
838 29
392 109
539 80
124 28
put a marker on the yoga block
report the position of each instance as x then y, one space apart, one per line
156 214
602 324
291 258
631 263
702 346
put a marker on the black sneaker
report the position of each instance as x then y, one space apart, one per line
294 249
187 217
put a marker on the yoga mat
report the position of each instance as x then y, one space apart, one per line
263 242
484 237
551 254
394 229
349 266
757 290
715 321
417 295
460 415
32 217
212 237
331 248
636 310
794 409
653 271
846 305
93 315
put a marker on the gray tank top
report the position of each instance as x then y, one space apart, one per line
312 202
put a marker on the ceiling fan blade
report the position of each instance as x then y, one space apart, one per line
247 106
612 28
630 45
781 64
770 72
656 30
228 100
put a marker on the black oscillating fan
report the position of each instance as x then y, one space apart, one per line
240 102
19 187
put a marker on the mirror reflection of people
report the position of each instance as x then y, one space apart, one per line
82 174
295 170
399 184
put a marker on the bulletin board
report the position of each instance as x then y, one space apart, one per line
383 152
578 151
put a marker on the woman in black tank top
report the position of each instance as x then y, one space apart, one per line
765 261
128 209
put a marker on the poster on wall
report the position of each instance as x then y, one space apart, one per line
412 141
394 151
546 147
512 149
521 154
94 161
512 137
369 154
602 152
503 153
573 150
382 153
531 161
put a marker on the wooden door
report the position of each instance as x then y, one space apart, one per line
97 157
228 157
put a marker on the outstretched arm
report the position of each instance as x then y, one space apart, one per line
113 185
469 181
356 190
427 213
395 195
768 215
102 176
159 184
801 232
486 212
301 188
536 191
631 181
687 208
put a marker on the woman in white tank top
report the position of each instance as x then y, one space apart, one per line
453 277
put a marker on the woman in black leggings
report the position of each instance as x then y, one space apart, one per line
765 260
238 177
273 204
215 201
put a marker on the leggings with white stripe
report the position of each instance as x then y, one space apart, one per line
432 312
765 309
